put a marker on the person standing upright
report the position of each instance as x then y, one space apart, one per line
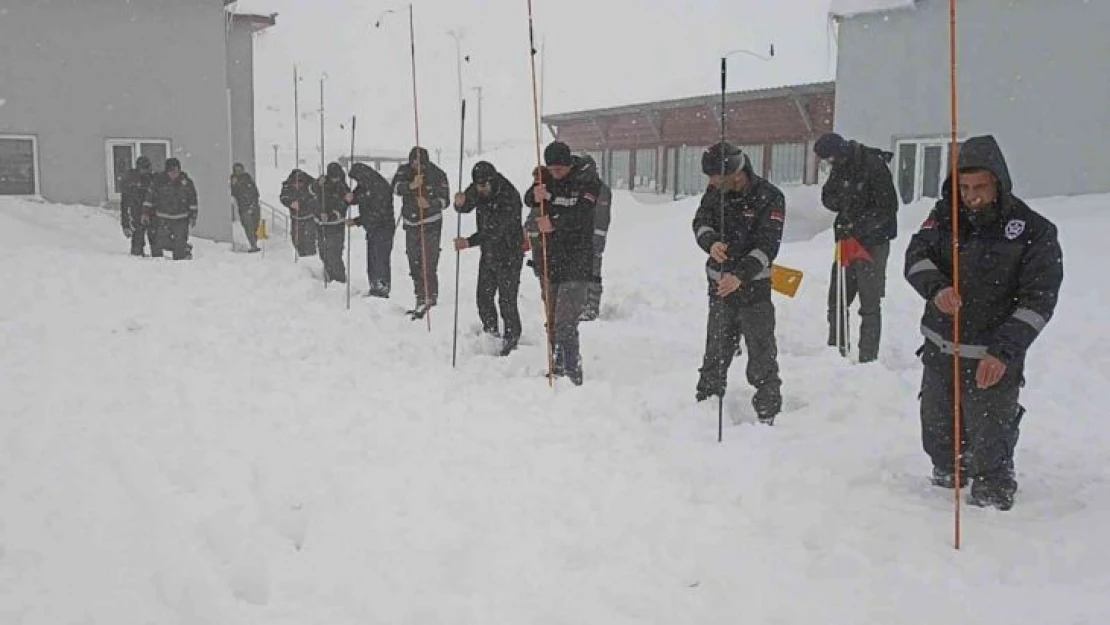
136 224
245 192
425 192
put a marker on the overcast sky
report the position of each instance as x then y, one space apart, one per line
599 53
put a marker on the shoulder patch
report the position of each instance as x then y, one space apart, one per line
1014 228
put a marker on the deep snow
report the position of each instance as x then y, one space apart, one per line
221 442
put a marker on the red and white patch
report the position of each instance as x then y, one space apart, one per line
929 224
589 197
778 216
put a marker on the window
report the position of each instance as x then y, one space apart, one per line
18 165
645 170
121 156
921 168
788 163
672 170
620 164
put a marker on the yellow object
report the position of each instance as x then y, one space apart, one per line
262 232
785 280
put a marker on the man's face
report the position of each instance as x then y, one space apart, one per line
735 181
484 188
238 172
173 173
978 190
558 172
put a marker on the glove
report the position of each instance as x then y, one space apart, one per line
193 221
127 231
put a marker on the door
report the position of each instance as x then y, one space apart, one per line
121 155
122 160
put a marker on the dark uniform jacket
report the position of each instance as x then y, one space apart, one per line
136 184
571 210
752 231
245 191
374 197
860 190
1011 267
304 195
498 217
436 190
172 199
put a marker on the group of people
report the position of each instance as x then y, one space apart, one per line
160 209
1011 268
565 231
1010 273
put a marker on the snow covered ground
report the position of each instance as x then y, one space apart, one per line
222 442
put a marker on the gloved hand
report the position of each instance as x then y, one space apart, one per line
127 231
193 221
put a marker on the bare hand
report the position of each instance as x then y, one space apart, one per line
727 285
350 197
540 193
417 181
461 244
423 203
544 225
460 200
719 252
351 223
990 371
947 301
295 205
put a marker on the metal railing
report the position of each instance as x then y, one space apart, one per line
279 217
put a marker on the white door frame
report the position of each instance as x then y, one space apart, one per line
136 151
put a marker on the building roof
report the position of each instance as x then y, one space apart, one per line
848 8
704 100
256 22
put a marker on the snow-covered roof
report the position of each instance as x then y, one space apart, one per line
848 8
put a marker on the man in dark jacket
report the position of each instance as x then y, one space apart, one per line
499 236
741 249
171 204
331 217
298 194
566 217
601 232
136 225
860 190
246 196
1011 269
424 192
374 197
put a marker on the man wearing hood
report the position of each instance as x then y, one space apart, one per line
1010 272
742 237
331 218
171 203
860 190
136 225
375 215
568 197
601 233
498 207
245 192
424 192
298 194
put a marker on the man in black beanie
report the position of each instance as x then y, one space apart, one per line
566 218
860 190
742 237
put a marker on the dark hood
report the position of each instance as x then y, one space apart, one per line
299 174
983 153
422 153
362 173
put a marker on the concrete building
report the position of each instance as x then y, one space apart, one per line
86 87
657 146
1034 74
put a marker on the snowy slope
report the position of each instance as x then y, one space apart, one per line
221 442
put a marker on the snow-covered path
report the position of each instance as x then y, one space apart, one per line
221 442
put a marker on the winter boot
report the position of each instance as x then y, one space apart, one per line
993 491
946 478
508 344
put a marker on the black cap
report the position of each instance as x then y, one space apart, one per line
483 171
829 145
238 166
557 153
143 163
172 163
723 157
421 153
